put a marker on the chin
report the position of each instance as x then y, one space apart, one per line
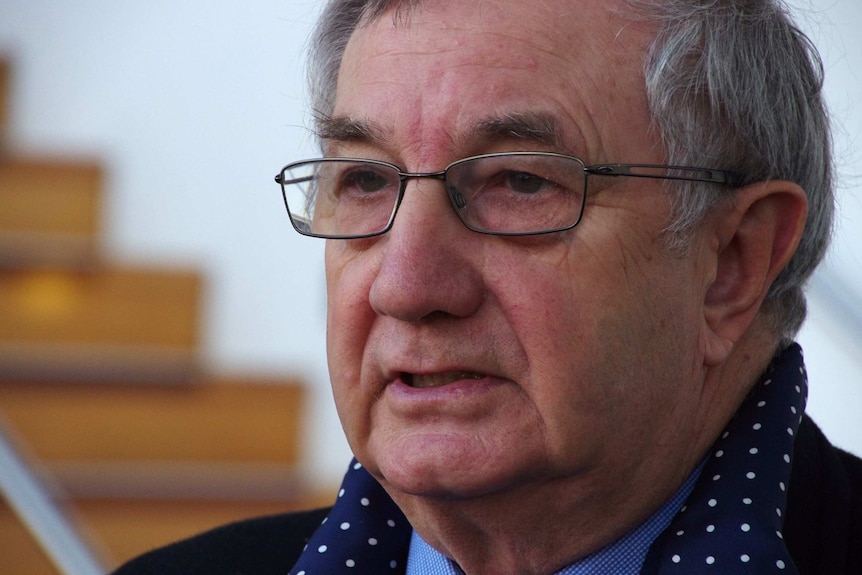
444 468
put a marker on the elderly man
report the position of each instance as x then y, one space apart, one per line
566 248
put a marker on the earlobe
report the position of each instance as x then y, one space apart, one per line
757 236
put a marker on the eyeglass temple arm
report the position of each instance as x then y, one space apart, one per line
279 179
660 172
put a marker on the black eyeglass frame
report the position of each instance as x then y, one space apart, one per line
707 175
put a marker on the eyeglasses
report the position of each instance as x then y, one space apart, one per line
509 194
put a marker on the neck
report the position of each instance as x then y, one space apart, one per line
538 529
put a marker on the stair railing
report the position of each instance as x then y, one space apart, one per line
38 511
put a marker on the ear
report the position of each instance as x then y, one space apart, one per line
757 236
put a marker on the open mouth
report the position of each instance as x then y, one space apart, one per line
421 381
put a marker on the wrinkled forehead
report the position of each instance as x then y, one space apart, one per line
608 26
579 61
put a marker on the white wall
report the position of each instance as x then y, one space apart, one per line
195 105
833 352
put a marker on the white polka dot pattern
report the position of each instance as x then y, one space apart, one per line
364 533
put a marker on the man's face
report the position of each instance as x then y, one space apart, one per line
465 364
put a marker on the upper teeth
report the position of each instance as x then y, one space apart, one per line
440 379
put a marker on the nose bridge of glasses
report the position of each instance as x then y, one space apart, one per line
454 195
456 199
405 176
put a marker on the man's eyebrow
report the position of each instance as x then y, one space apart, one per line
528 126
536 127
346 129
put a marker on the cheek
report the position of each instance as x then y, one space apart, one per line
349 319
601 365
560 326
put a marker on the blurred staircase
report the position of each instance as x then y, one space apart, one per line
102 391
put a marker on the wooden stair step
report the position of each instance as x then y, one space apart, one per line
141 465
219 420
45 362
120 529
52 196
51 210
128 528
61 251
107 305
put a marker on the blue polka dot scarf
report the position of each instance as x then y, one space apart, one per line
731 523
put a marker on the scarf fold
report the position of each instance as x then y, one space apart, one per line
731 523
364 533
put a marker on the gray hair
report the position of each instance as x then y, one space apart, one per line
731 84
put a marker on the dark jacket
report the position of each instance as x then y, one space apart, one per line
823 529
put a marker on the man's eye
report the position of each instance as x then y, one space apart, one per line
526 183
366 181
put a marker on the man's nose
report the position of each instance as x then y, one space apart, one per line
430 261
